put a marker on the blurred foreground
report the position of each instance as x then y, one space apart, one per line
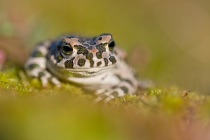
30 113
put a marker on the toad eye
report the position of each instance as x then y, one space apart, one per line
100 38
67 50
111 45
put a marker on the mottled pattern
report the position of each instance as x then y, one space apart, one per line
94 63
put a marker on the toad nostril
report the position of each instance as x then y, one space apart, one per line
100 38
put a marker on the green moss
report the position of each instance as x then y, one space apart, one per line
15 79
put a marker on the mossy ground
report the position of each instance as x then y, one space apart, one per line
32 113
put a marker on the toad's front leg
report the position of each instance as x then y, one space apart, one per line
36 65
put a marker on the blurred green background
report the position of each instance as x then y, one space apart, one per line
167 41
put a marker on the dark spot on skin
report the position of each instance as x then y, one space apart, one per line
77 46
89 56
106 61
126 80
69 63
129 81
112 59
124 88
119 77
41 74
101 47
37 54
111 45
98 64
32 66
81 62
91 63
99 55
81 49
115 94
59 58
